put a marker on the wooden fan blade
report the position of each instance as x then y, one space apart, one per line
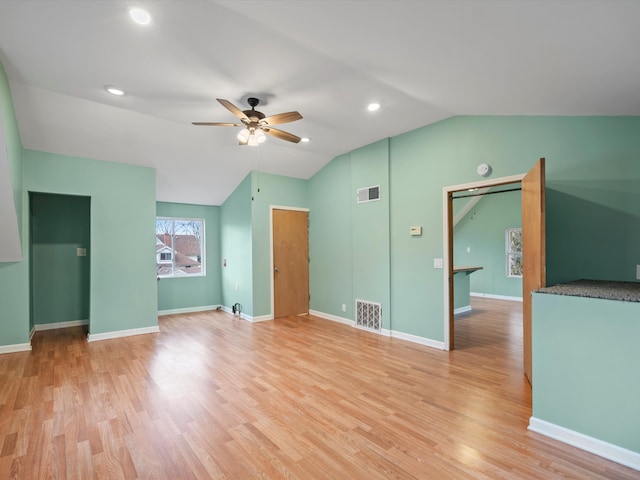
289 137
217 124
281 118
233 109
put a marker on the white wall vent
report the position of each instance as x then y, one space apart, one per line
368 315
369 194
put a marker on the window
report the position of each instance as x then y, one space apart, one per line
514 252
179 247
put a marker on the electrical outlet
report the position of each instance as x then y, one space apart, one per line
344 307
237 288
468 249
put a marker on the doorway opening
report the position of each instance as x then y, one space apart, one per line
533 253
486 273
59 252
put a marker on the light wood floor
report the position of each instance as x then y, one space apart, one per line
212 396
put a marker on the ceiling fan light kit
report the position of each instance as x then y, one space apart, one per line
251 138
256 124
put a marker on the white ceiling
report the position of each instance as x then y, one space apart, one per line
422 60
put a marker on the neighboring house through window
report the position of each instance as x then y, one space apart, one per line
179 247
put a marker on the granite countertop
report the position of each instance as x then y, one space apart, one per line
623 291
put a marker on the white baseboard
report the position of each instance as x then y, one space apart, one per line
462 309
496 297
39 327
173 311
416 339
94 337
385 332
18 347
248 318
593 445
333 318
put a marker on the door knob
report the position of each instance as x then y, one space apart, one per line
276 269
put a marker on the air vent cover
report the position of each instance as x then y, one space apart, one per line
369 194
368 315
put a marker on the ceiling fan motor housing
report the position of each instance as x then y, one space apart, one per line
253 114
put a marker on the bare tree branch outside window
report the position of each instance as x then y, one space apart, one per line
514 252
179 247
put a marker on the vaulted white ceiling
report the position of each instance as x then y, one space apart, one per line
423 61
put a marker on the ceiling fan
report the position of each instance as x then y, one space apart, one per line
256 124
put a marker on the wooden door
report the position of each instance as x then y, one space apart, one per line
290 262
534 274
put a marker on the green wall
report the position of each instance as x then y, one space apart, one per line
123 286
483 231
330 242
585 366
461 290
12 139
236 248
193 292
245 227
595 193
370 228
123 210
269 190
59 277
593 178
14 277
349 241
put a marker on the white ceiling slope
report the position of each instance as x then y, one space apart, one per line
422 60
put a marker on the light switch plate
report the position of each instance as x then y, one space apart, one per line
415 231
81 252
438 263
638 272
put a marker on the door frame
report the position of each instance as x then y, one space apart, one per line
447 235
272 266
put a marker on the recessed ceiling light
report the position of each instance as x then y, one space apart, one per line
373 107
114 90
305 140
140 16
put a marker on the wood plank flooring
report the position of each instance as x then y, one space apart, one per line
212 396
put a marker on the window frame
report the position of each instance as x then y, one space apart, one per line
172 262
